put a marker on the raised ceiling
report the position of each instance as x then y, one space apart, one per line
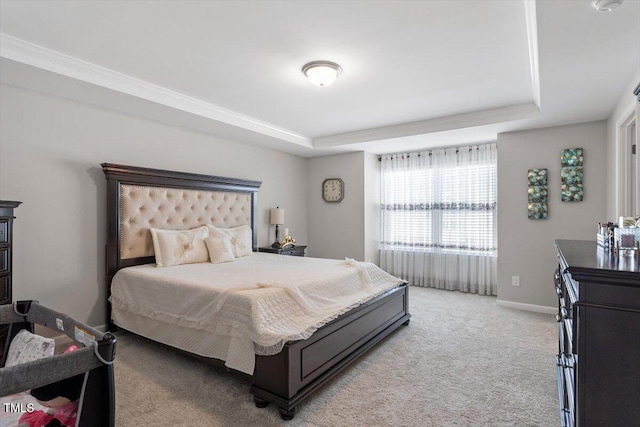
415 74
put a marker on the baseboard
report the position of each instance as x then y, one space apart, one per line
528 307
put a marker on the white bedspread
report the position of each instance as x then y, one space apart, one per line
264 299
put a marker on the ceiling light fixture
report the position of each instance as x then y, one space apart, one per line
605 5
321 73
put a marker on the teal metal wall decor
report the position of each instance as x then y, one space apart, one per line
538 211
572 174
572 157
537 176
537 194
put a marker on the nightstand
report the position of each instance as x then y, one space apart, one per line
297 250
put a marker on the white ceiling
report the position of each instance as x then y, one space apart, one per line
415 74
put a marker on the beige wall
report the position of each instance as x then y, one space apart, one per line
336 230
51 149
626 106
372 215
50 155
350 228
525 247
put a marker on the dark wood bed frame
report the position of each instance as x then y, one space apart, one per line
292 375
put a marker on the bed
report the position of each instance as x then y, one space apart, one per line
284 374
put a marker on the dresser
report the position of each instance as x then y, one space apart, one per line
289 250
598 361
6 247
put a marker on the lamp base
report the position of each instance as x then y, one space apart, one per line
276 244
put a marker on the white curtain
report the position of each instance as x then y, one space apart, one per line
439 218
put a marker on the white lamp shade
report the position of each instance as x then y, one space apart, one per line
321 73
277 216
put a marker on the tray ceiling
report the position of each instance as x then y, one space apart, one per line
424 70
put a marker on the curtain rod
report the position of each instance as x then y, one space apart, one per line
409 154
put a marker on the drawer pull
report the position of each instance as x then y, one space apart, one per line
564 313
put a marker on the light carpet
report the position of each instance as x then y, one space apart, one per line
463 361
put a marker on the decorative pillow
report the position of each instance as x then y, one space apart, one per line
175 247
241 238
220 249
27 347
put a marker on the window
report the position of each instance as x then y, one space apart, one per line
409 216
439 218
432 204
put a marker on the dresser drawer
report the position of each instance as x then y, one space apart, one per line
4 260
565 338
289 250
4 231
5 289
571 288
565 395
569 336
569 381
292 252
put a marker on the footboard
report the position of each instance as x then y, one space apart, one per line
301 367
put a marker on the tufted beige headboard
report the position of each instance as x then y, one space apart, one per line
143 207
141 198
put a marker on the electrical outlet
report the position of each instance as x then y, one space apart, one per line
515 280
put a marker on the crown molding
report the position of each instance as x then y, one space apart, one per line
30 54
38 56
531 19
459 121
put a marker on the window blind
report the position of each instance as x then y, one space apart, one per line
445 199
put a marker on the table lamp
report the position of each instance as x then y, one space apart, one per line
277 218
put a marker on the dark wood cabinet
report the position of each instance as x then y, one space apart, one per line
598 362
289 250
6 247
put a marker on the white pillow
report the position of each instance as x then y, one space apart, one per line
175 247
220 249
241 238
27 347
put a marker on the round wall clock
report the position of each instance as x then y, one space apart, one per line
333 190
